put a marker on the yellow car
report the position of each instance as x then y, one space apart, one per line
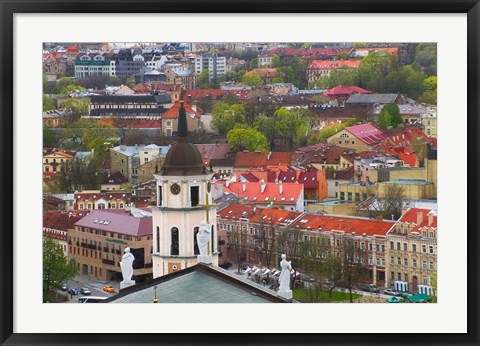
108 288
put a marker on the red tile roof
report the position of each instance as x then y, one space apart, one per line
333 64
108 196
262 159
352 225
276 193
62 221
359 226
146 88
323 153
172 113
213 151
367 133
344 90
411 216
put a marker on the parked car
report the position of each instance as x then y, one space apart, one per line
109 288
65 287
390 292
368 287
85 291
74 291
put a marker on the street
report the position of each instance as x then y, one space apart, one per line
95 286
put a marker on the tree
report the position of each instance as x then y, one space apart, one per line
384 120
314 255
275 61
246 139
419 148
50 139
203 80
225 116
56 270
237 242
134 137
48 103
252 79
352 263
80 175
78 105
289 242
206 104
429 94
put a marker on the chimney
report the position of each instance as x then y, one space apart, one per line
244 187
430 219
281 187
419 218
262 186
194 108
268 156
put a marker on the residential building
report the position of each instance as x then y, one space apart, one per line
412 252
214 64
87 65
325 156
260 226
342 92
56 225
52 161
371 100
336 178
183 76
97 199
359 137
129 106
318 69
290 196
113 182
429 124
57 118
98 241
363 166
170 118
127 160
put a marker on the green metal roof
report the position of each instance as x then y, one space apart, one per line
193 287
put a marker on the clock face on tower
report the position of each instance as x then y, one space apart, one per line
175 189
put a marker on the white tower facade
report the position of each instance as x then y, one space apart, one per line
183 202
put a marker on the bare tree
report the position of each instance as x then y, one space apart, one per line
289 243
237 242
389 206
352 263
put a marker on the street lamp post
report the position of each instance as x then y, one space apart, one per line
155 299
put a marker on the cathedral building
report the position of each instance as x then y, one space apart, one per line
183 202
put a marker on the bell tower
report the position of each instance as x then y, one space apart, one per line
183 202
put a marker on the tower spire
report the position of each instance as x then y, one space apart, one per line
182 121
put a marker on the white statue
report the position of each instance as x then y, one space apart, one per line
127 265
285 275
203 237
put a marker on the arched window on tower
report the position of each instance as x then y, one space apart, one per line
196 250
213 238
174 248
158 239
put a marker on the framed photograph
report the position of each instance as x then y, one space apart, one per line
426 56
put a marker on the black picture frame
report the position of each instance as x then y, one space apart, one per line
10 7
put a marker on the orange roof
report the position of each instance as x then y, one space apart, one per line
172 113
411 216
272 192
307 221
61 153
262 159
333 64
358 226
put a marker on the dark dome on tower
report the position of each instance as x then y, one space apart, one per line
183 158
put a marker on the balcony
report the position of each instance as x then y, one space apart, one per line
107 261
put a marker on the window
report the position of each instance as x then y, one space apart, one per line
378 247
392 275
414 247
383 248
424 248
398 245
430 249
399 261
405 262
392 260
431 266
120 205
405 247
370 247
406 277
174 246
424 264
414 263
425 280
399 276
391 245
194 195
